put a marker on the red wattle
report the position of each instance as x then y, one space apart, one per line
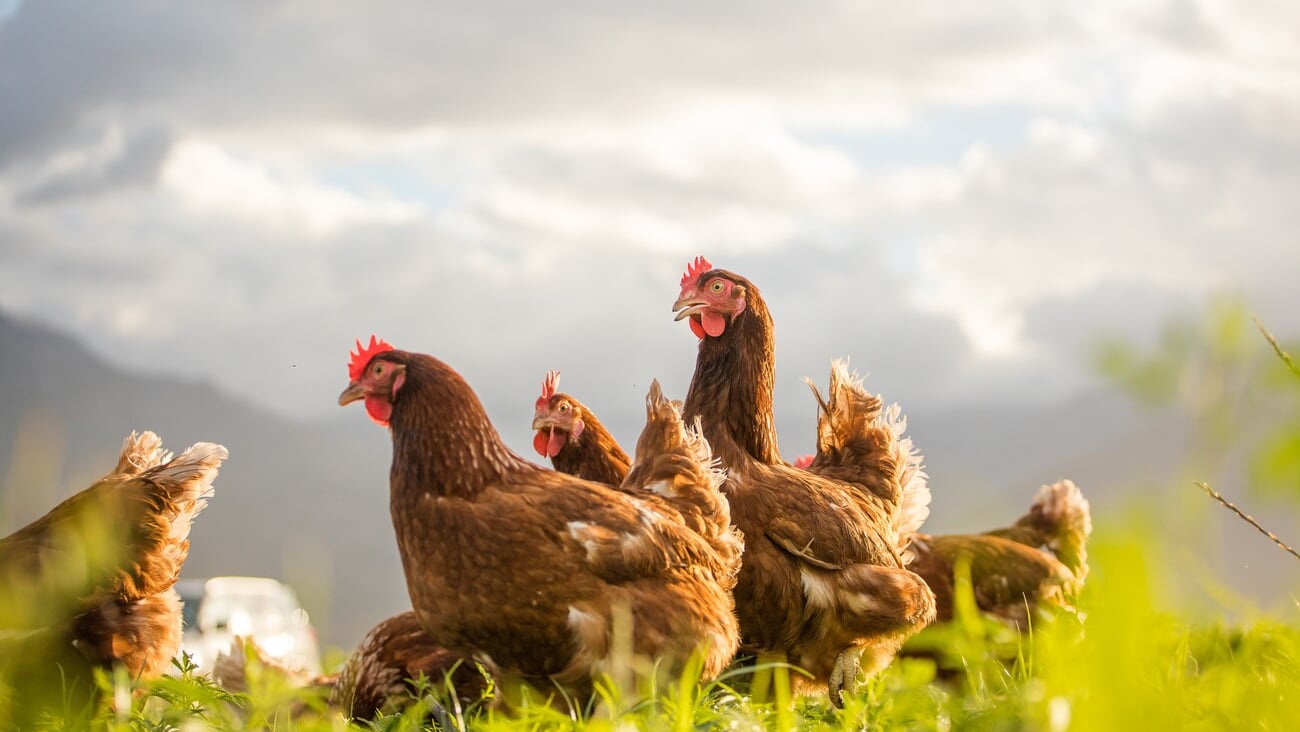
379 409
549 441
713 323
696 328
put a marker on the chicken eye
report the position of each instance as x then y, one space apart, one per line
716 286
564 407
379 369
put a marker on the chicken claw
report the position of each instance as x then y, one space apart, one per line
853 666
845 674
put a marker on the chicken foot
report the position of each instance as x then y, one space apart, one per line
853 666
885 605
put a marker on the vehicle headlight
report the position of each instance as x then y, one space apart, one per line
276 646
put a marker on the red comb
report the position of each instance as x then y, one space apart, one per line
549 385
364 354
694 269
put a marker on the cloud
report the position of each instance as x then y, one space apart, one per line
954 198
118 160
209 181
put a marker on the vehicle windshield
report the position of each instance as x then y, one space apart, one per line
245 614
190 612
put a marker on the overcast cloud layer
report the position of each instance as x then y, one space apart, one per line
958 198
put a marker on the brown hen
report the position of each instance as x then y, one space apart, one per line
1040 560
823 582
379 676
523 568
96 573
574 439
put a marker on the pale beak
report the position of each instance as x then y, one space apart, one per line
688 307
354 392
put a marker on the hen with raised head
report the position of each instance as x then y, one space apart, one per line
97 575
521 567
574 439
823 582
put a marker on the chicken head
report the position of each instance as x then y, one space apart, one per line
556 418
710 298
375 379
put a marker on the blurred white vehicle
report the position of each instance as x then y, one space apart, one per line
261 608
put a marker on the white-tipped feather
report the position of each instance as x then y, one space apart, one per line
914 494
189 476
847 398
703 452
1064 503
141 451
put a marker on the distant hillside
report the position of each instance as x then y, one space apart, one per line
297 501
308 502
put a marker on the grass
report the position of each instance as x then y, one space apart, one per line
1133 664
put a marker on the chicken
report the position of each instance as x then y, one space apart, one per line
98 571
574 439
380 674
1041 559
823 582
528 570
379 677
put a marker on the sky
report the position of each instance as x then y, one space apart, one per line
959 197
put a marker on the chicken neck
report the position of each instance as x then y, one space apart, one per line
731 390
594 455
443 442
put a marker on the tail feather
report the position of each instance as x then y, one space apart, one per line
848 412
914 495
141 451
170 496
676 462
1063 518
186 482
860 440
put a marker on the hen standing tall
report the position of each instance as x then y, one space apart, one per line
823 582
525 568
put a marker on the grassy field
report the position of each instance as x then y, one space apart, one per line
1133 664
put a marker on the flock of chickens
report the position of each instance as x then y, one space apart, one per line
704 544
